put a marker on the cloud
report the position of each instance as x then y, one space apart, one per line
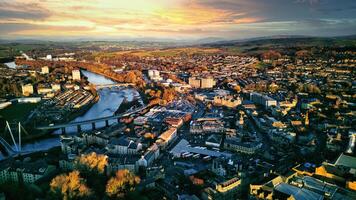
34 29
311 2
32 11
198 18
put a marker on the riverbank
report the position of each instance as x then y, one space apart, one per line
21 112
132 76
107 103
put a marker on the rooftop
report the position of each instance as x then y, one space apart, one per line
182 147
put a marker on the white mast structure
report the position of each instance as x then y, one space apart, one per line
18 147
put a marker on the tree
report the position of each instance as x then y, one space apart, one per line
168 94
130 77
123 182
92 162
70 186
237 88
154 101
309 88
273 88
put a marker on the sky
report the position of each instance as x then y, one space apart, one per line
175 19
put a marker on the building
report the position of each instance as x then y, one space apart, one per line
97 138
201 82
286 191
174 122
24 172
301 184
214 140
167 137
223 191
147 159
195 83
228 101
27 89
44 89
56 87
207 83
237 145
183 146
343 171
45 70
76 75
29 100
154 75
206 125
116 163
123 146
263 100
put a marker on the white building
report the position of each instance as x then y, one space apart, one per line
154 75
123 146
76 74
56 87
45 70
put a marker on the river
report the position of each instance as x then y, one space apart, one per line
109 102
11 65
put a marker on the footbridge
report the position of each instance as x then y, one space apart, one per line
91 121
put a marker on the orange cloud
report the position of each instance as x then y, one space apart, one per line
247 20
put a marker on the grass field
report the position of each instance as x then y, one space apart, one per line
161 53
17 112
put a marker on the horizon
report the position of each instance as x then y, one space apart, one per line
204 40
176 20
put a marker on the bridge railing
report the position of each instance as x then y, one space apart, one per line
58 126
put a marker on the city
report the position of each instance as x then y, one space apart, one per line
259 117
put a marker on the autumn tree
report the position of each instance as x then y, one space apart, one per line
70 186
123 182
154 101
273 88
309 88
92 162
237 88
130 77
168 94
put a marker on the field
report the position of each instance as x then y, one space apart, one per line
162 53
17 112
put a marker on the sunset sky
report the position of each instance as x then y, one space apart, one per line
175 19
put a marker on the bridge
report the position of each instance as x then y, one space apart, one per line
114 85
91 121
17 147
6 145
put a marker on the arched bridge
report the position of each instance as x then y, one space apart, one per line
91 121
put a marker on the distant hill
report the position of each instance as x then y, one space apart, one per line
284 43
290 40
